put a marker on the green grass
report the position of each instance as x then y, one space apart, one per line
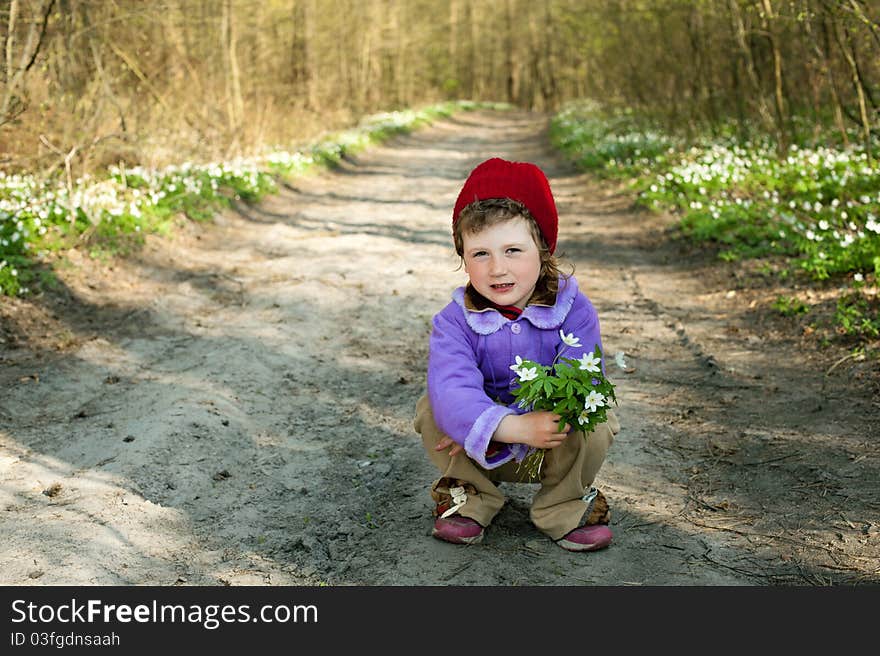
816 205
858 315
789 306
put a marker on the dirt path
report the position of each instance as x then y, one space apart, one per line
234 405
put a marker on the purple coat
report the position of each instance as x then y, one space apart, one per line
469 358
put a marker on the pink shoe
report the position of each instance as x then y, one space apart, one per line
586 538
458 530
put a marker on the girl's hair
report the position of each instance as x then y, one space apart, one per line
482 214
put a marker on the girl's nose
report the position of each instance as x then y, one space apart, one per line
498 267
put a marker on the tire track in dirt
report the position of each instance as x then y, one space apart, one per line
266 367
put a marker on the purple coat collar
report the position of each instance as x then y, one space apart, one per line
486 322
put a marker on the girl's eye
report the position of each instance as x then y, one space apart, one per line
479 253
513 250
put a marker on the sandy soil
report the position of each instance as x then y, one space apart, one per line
233 405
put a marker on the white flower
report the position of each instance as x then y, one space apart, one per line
618 358
593 401
517 365
589 362
858 277
527 374
569 339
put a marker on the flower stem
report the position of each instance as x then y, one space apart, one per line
530 466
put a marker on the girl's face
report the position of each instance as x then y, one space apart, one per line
503 262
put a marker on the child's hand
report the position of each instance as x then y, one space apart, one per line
446 442
536 429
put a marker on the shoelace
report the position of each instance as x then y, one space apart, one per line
459 498
590 495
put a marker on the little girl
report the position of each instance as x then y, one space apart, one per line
516 303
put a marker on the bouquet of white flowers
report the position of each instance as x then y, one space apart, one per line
576 390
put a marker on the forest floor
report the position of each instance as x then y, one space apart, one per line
233 404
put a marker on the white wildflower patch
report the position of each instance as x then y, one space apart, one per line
137 198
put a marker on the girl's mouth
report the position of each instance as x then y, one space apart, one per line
502 287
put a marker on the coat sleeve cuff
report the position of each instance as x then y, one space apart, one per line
519 451
477 441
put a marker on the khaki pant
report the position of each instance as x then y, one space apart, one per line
566 475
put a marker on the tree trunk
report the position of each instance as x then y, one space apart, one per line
234 101
475 58
697 82
739 33
768 20
13 103
824 64
510 77
309 57
843 42
739 94
861 13
551 68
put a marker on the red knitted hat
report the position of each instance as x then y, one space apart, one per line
521 181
